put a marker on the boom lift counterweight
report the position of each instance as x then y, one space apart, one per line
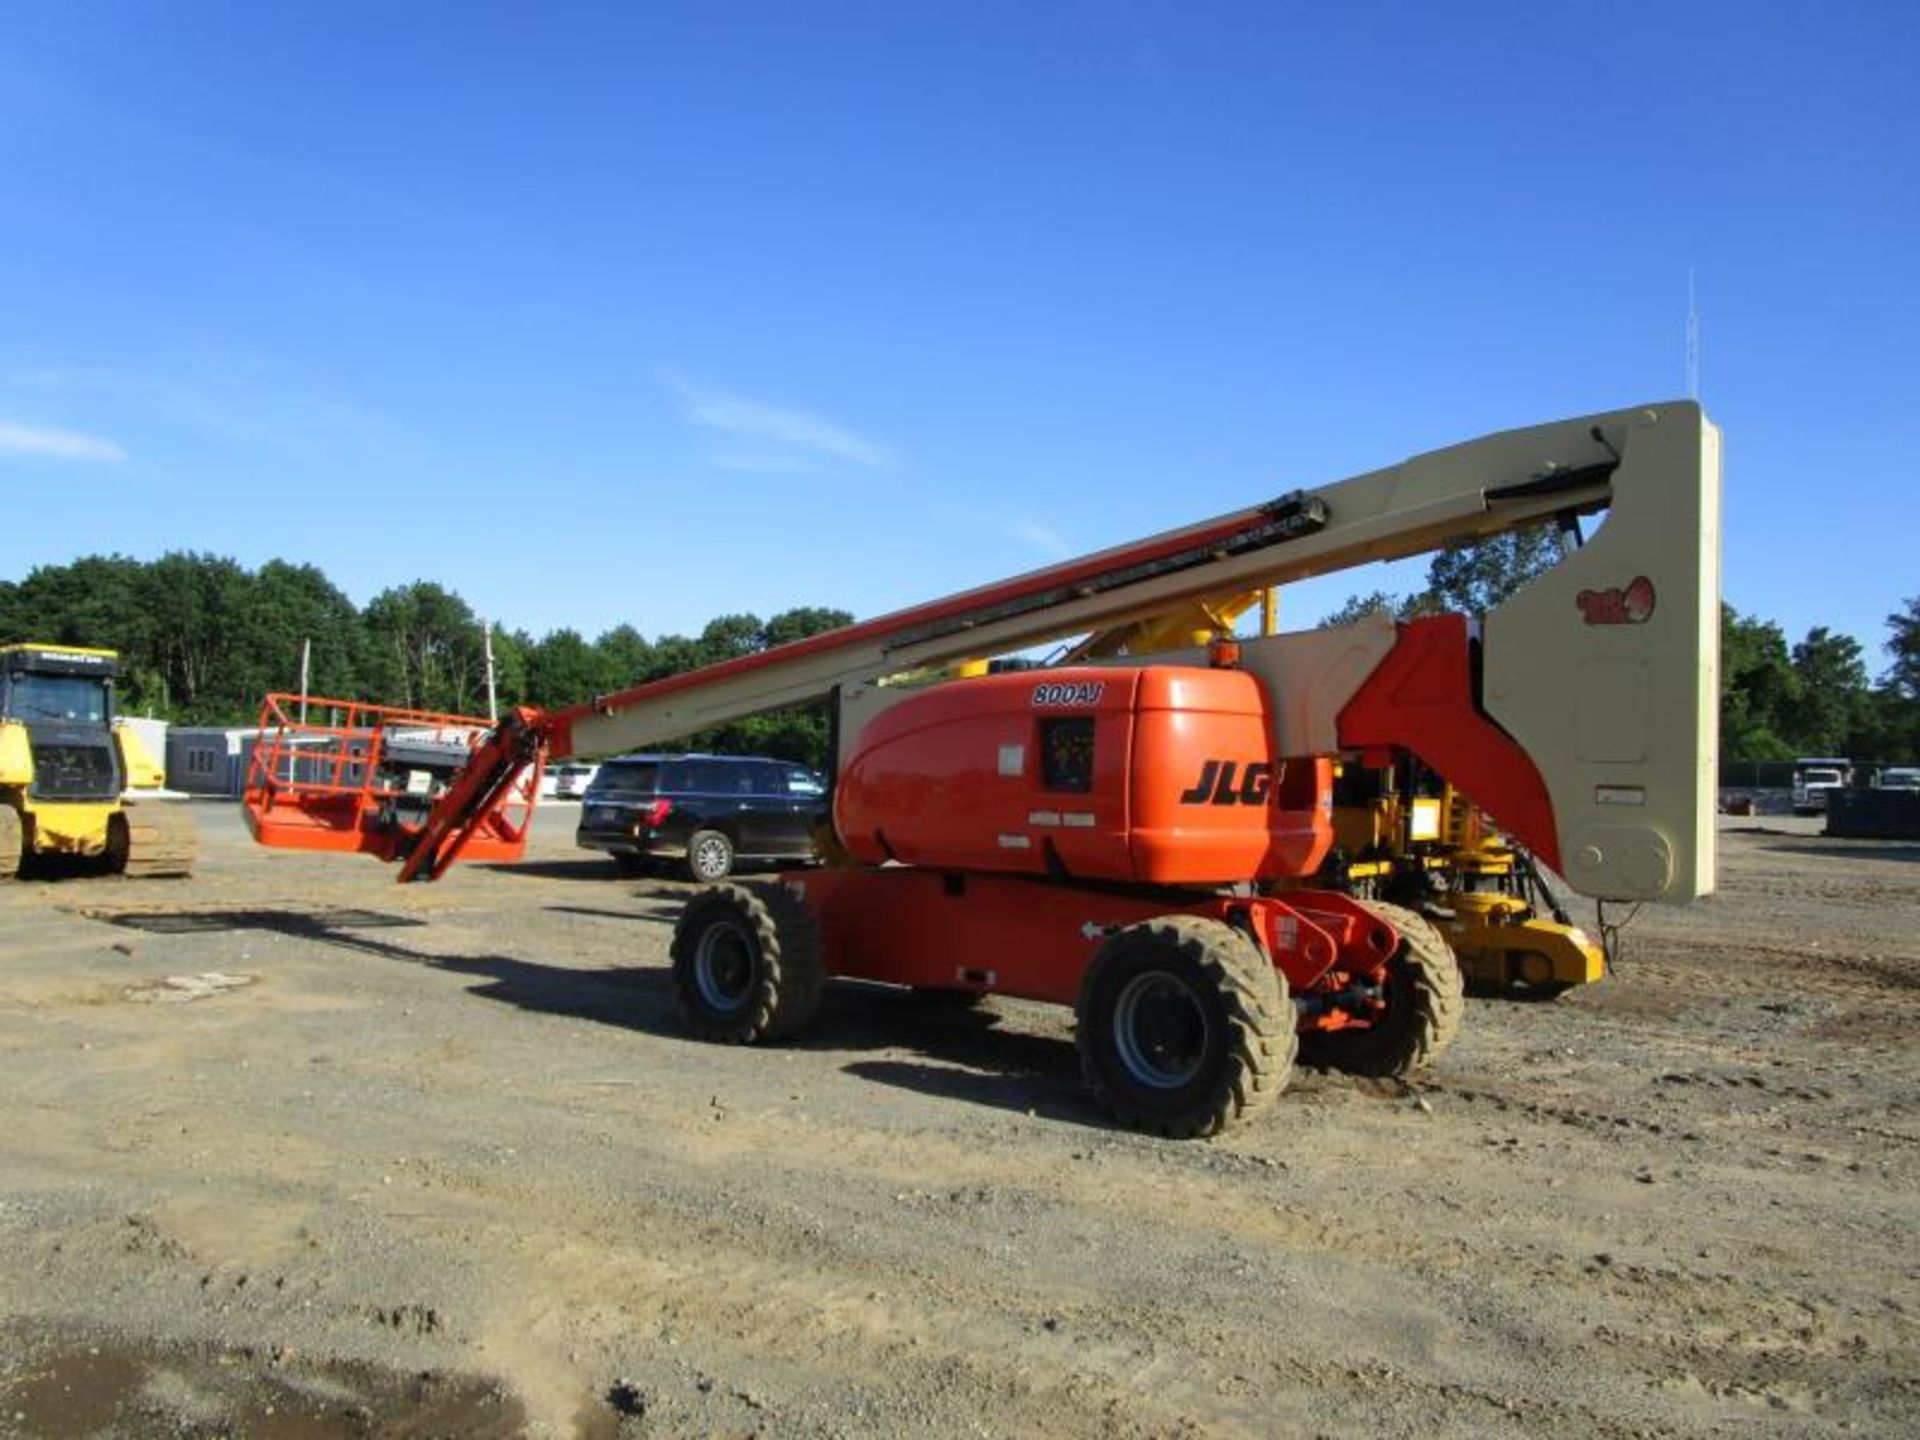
1139 838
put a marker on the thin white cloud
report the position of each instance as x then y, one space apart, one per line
56 444
1041 538
758 463
791 433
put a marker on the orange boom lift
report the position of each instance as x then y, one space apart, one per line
1137 838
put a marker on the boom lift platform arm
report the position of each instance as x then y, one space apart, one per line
1142 840
1582 714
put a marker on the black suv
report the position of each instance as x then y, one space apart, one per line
707 809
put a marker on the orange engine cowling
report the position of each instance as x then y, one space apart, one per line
1151 774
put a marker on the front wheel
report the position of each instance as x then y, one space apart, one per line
746 965
1184 1027
1424 1003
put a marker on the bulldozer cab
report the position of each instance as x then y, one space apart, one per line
43 684
58 702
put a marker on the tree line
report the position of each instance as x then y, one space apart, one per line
203 639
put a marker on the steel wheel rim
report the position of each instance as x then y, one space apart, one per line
723 966
1160 1030
710 858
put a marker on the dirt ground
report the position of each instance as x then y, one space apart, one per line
437 1160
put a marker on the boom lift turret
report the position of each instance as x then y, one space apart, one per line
1138 839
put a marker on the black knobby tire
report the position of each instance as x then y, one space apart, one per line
709 856
746 964
1184 1027
13 841
1425 1004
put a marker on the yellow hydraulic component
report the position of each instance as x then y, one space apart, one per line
1191 626
1502 943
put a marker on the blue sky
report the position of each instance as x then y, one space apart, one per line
646 313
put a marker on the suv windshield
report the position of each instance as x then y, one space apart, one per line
59 697
641 775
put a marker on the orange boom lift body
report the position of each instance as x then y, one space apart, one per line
1140 840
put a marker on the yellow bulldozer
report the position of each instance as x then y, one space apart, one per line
69 773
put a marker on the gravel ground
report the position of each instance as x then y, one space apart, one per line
293 1151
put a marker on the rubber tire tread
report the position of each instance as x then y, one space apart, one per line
791 972
1261 1038
1439 1005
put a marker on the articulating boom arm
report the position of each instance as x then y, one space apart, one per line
1482 487
1600 677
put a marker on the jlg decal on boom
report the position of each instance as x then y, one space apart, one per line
1630 606
1216 784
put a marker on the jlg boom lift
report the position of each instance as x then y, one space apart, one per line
1138 838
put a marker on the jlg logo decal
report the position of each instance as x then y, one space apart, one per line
1631 606
1216 785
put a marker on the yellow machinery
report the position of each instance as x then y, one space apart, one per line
1403 834
66 768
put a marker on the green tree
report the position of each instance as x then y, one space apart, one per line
426 649
626 655
194 604
1473 576
1832 683
296 606
563 669
1904 645
1759 689
800 623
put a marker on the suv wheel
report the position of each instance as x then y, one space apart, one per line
709 856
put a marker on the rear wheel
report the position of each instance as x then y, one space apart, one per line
746 965
1184 1027
1424 1007
709 856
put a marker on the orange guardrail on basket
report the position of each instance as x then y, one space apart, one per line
341 775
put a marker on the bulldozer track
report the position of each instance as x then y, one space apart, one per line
161 842
12 842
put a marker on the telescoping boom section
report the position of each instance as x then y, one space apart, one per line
1580 712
